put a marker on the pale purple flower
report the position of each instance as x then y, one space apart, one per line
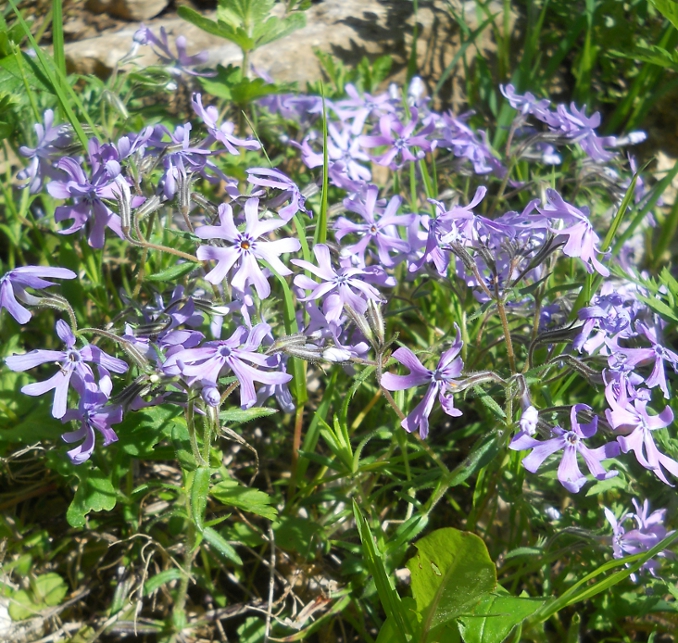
342 286
580 238
72 364
88 193
379 227
399 138
359 107
245 249
648 532
631 419
272 178
92 413
222 133
14 283
441 383
176 63
528 421
236 354
51 143
571 444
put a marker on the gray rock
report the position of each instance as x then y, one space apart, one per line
128 9
347 29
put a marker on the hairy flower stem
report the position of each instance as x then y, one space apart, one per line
507 334
190 423
296 445
179 610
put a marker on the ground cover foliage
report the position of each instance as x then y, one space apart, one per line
335 363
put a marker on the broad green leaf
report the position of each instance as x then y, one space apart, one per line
174 273
495 616
141 431
274 28
450 573
219 544
232 494
95 493
161 579
296 534
47 590
219 28
252 630
669 9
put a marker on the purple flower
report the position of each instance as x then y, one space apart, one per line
339 286
236 354
631 419
379 227
441 382
72 363
178 62
14 283
92 413
399 138
224 132
359 107
245 249
649 531
272 178
51 143
571 443
580 239
89 192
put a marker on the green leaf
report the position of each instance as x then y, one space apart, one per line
220 28
161 579
141 431
199 490
296 534
274 28
450 573
387 594
47 590
240 416
174 273
95 493
182 447
669 9
232 494
217 542
495 616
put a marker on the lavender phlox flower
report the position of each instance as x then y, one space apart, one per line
181 157
399 138
342 147
571 444
441 383
380 227
51 143
339 287
222 133
236 354
176 63
454 134
606 316
245 248
13 286
88 193
72 363
573 125
528 420
93 414
303 108
649 531
134 143
631 419
580 238
359 107
272 178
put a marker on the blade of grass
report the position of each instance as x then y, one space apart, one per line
59 83
58 36
387 594
321 227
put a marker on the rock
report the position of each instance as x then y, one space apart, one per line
347 29
137 10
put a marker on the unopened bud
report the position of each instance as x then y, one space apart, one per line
360 321
376 320
337 355
211 395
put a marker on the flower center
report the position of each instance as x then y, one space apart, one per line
73 356
224 351
572 438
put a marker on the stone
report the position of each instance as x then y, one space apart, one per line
347 29
136 10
